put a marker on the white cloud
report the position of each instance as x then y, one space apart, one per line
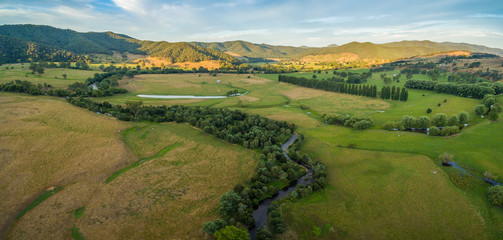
329 20
486 15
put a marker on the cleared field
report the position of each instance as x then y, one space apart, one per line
170 196
54 144
53 76
376 195
47 143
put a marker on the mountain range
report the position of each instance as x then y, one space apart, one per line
37 42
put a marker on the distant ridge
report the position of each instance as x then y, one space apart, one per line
38 42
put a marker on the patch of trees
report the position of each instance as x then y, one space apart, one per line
394 93
349 121
332 86
440 125
462 90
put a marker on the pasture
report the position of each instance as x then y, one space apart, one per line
161 175
53 76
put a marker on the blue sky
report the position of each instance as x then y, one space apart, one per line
277 22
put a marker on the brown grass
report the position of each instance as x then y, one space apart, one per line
52 143
48 142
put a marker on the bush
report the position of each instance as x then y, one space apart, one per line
493 115
463 117
232 233
389 125
495 195
434 131
480 109
428 110
439 120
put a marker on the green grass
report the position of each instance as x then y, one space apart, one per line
143 160
76 234
21 72
380 195
79 212
44 196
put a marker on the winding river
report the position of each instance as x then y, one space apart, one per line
260 214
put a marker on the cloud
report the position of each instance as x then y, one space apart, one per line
486 15
133 6
329 20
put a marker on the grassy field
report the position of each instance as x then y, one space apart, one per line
172 195
375 195
53 76
164 175
77 150
48 143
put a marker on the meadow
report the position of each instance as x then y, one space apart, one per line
383 184
53 76
75 151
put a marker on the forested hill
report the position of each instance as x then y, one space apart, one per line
72 41
36 42
253 50
16 50
184 52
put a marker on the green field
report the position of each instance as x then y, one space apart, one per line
388 185
53 76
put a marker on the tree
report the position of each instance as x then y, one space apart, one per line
453 120
64 75
463 117
480 109
39 69
212 226
495 195
489 100
263 234
493 115
229 204
440 120
232 233
434 131
423 122
135 107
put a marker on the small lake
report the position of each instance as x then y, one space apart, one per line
180 96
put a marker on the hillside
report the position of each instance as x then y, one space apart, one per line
253 50
44 41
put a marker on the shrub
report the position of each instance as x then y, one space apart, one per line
232 232
463 117
439 120
445 158
495 195
480 109
493 115
434 131
389 125
428 110
453 120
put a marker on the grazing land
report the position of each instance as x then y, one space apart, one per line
77 150
147 180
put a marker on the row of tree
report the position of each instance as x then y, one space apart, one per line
346 120
462 90
394 93
332 86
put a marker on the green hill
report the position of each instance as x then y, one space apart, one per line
253 50
47 40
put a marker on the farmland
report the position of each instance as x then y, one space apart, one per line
141 180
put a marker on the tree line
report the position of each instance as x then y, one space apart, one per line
462 90
332 86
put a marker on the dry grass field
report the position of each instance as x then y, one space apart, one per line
46 143
54 144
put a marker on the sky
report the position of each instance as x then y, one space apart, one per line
277 22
